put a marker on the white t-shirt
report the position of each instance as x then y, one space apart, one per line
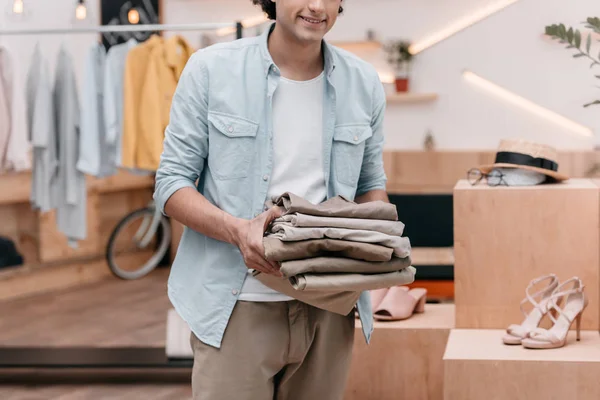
297 156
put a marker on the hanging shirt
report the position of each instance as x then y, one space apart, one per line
17 148
164 69
113 94
4 115
136 66
72 195
96 155
41 133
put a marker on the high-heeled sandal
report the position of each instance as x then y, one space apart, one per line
575 303
516 333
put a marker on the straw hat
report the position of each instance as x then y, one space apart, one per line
519 153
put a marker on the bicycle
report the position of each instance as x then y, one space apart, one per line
152 225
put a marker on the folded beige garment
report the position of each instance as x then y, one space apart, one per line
277 250
337 206
340 302
287 233
341 265
352 282
395 228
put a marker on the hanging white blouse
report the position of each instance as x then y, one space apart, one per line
17 154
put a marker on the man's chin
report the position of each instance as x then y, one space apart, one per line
308 37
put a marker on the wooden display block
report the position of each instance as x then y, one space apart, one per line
404 358
478 366
506 236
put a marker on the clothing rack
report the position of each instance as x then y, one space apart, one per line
27 364
238 26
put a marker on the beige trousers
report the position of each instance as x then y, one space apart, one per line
276 351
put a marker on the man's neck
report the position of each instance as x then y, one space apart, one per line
296 61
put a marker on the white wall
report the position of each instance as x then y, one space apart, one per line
49 14
507 48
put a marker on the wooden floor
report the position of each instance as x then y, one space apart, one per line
98 392
105 314
112 312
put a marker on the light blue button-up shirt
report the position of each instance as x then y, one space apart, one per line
218 141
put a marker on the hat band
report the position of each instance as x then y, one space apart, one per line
509 157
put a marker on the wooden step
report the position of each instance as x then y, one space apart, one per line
477 365
404 358
23 281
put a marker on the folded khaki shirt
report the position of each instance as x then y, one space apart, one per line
395 228
277 250
339 302
337 206
352 282
339 265
287 233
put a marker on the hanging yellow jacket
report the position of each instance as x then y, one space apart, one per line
165 65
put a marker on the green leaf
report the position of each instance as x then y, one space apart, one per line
562 31
577 38
570 35
592 103
578 55
588 44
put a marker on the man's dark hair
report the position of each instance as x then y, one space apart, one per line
269 7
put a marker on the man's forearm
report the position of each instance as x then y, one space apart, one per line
193 210
372 195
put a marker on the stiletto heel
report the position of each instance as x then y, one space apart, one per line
575 303
516 333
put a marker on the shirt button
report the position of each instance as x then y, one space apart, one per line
356 138
234 292
230 128
265 178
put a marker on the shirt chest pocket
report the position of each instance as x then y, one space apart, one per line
348 151
231 145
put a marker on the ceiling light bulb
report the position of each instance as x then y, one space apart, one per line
133 16
18 7
80 11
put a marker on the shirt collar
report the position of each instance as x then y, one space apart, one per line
177 52
328 53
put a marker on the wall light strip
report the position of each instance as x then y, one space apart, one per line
459 25
527 104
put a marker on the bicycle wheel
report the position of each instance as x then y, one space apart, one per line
133 236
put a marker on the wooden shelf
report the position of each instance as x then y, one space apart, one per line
16 187
432 255
397 98
358 45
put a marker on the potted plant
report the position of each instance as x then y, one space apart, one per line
400 58
572 38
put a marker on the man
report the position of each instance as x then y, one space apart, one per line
251 119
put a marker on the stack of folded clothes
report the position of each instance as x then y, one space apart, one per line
336 249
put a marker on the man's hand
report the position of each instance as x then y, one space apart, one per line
250 242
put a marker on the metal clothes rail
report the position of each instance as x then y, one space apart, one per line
236 27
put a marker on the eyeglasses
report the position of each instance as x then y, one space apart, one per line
493 178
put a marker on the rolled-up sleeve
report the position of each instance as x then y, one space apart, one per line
185 145
372 173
